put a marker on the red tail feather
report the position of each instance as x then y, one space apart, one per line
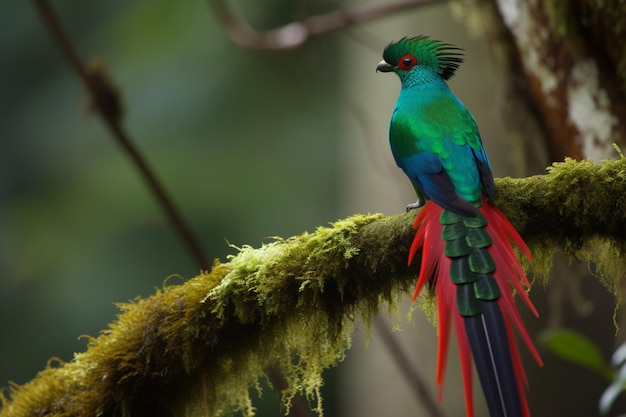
435 267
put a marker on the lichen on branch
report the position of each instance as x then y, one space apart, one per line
198 347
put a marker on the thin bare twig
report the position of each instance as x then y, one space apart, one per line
409 372
295 34
105 99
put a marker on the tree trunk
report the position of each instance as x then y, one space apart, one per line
568 62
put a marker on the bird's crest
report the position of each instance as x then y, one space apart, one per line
421 50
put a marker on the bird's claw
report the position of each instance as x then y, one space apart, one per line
419 203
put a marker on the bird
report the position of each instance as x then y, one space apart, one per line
467 244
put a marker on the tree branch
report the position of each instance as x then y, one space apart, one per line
295 34
201 345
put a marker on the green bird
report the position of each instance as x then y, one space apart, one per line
467 255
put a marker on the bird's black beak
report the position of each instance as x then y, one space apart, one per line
384 66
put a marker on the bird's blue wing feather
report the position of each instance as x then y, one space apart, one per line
426 171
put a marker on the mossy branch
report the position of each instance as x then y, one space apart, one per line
196 348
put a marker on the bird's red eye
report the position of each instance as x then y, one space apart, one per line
407 62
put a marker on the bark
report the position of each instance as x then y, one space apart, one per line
572 68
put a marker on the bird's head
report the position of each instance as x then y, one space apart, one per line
420 60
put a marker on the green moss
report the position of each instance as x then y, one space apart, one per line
579 209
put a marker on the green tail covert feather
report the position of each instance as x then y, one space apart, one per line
466 242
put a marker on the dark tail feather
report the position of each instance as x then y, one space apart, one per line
489 342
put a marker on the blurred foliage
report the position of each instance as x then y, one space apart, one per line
576 348
245 144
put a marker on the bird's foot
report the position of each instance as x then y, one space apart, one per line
419 203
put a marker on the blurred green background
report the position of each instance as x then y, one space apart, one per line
249 144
